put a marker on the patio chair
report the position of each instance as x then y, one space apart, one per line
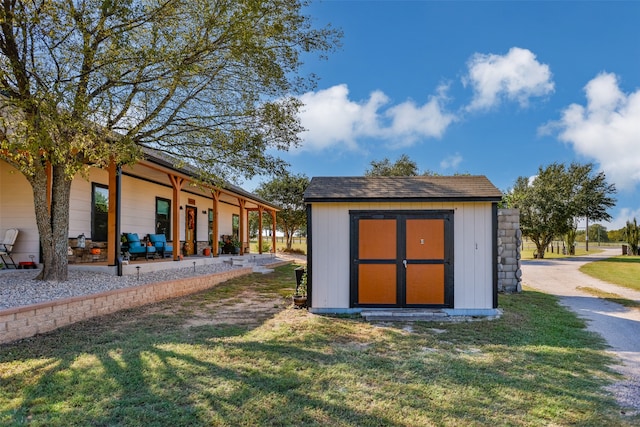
6 247
136 248
160 243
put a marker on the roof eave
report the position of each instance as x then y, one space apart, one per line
229 187
402 199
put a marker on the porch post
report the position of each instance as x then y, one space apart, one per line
177 183
273 231
241 232
260 211
214 226
113 219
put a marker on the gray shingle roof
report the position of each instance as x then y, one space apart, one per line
395 188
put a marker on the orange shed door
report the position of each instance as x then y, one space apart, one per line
377 269
424 261
402 259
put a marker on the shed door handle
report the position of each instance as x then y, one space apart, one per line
404 261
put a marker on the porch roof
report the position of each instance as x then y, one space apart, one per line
400 189
162 159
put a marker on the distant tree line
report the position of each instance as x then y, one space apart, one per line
553 202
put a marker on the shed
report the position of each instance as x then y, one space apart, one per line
402 243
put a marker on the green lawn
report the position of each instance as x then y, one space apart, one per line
620 270
187 362
529 248
299 244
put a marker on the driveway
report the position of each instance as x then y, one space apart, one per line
618 325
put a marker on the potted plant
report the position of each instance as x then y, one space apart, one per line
300 296
236 245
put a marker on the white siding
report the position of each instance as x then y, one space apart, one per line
473 272
17 211
137 209
80 202
330 255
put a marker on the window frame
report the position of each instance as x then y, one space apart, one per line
159 221
95 235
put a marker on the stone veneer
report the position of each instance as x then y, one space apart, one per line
509 244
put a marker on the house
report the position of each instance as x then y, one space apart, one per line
402 242
150 197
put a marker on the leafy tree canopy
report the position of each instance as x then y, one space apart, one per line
551 203
403 166
90 81
287 191
632 234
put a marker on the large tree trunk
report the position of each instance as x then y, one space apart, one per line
53 224
289 237
540 248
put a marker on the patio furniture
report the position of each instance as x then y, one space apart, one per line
137 248
159 241
6 247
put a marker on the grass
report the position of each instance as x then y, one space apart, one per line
530 248
620 270
535 366
299 244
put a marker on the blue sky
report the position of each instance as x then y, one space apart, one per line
489 88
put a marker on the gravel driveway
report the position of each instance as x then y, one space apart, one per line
618 325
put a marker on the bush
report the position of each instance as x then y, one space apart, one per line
293 251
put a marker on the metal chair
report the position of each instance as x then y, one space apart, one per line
6 246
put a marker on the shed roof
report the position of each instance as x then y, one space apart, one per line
402 188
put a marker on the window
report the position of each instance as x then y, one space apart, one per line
235 226
99 212
163 217
210 223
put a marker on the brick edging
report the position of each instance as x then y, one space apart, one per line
27 321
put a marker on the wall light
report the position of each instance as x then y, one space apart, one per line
180 207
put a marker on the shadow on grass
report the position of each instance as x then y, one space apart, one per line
146 368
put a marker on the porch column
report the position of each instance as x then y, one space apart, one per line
247 211
241 231
273 231
260 212
177 183
214 226
113 216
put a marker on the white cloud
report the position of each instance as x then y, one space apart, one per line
516 76
451 162
619 221
411 122
331 119
607 129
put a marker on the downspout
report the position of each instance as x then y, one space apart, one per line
118 219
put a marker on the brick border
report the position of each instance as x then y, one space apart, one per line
27 321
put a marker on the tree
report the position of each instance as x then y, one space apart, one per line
590 195
404 166
551 202
632 234
88 82
598 233
287 191
616 235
